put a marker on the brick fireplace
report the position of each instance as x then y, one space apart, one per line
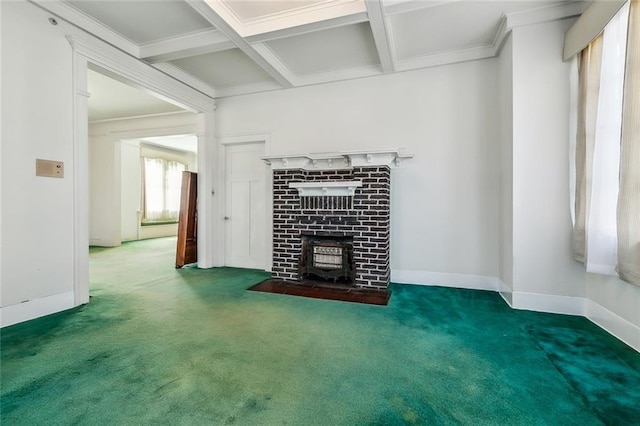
331 217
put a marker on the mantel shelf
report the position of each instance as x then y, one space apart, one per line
326 189
337 160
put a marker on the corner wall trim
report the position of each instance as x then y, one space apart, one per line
35 308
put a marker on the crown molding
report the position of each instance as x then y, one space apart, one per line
339 75
446 58
88 24
247 89
182 46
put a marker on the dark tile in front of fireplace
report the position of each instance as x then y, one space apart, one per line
323 291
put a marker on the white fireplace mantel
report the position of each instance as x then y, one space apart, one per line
337 160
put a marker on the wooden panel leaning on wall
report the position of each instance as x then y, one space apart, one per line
187 246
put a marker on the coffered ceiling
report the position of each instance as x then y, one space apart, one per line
231 47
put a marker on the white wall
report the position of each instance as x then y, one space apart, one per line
37 228
543 261
505 77
445 200
130 190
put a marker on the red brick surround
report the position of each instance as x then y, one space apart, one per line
367 222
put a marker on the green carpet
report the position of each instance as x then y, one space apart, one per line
158 345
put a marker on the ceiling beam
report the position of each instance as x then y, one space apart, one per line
276 70
381 35
183 46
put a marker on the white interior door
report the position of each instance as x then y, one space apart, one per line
246 215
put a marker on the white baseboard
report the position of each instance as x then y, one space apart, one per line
35 308
550 303
614 324
619 327
474 282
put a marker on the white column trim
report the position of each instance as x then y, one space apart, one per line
80 182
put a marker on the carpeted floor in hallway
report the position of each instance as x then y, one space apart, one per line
158 345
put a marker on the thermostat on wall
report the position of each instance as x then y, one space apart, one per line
48 168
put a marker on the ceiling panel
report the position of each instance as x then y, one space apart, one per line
111 99
247 10
451 25
350 46
227 68
143 21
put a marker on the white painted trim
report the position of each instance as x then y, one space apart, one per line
136 73
35 308
209 231
80 181
473 282
614 324
185 45
380 30
338 160
550 303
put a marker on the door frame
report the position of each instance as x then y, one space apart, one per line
89 51
231 140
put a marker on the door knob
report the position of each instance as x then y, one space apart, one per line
227 218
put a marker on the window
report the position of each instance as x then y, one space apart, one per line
607 200
161 189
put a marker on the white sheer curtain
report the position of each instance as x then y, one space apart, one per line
173 185
607 150
162 185
601 238
629 194
153 189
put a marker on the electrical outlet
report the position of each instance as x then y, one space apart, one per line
48 168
